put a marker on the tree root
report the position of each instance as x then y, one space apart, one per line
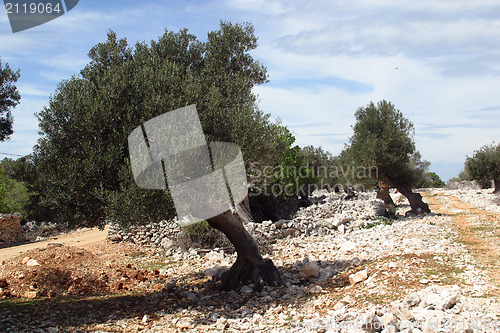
245 271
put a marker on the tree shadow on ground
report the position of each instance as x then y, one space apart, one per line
191 294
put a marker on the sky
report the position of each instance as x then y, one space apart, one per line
438 61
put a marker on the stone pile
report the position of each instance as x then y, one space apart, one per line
156 234
329 213
433 309
313 261
463 185
482 199
39 231
10 230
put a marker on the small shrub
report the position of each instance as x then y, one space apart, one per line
380 221
202 235
14 195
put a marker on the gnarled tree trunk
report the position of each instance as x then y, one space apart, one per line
249 267
497 185
383 194
416 203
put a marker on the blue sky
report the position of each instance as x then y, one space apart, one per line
437 61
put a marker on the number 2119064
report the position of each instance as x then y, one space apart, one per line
32 8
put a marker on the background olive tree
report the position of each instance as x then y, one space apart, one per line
9 98
14 193
484 166
431 180
383 140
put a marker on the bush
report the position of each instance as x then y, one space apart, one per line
201 235
14 195
23 170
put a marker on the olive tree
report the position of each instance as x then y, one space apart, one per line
484 166
83 151
383 140
9 98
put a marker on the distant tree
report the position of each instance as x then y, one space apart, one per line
280 186
484 166
463 176
383 140
9 98
14 194
431 180
23 171
9 166
320 162
294 173
83 151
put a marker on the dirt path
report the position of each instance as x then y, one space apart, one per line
479 230
78 238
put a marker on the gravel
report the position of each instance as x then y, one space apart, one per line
346 269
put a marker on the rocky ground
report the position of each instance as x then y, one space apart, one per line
346 269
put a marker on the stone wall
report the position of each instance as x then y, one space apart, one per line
330 213
463 185
156 234
10 230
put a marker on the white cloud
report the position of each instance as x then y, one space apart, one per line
55 75
31 90
66 61
25 126
24 113
263 6
16 43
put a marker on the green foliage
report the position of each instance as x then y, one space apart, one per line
21 171
83 152
288 175
13 195
322 165
197 228
9 98
431 180
131 204
484 165
383 140
463 176
295 173
201 235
